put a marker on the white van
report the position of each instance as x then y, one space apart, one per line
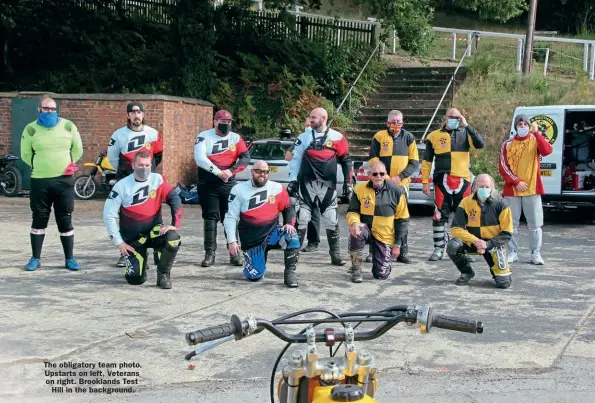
568 172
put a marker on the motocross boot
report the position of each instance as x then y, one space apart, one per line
289 276
403 258
236 260
301 235
210 242
357 256
167 256
454 250
334 237
370 251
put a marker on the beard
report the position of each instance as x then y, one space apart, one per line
259 182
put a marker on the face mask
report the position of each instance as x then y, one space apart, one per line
453 124
48 119
223 128
483 193
142 173
394 128
522 131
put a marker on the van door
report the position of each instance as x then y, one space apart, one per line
550 120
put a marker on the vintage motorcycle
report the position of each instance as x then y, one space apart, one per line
86 186
309 378
10 177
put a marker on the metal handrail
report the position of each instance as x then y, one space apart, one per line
356 80
475 34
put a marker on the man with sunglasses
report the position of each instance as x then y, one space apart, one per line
377 215
396 148
313 175
51 146
220 154
253 213
127 141
448 148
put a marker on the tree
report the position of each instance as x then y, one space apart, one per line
497 10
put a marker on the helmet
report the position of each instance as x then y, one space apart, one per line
286 133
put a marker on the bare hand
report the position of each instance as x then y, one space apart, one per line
288 229
481 244
463 122
396 180
233 249
355 230
425 188
534 127
522 186
396 251
288 156
481 251
226 174
166 228
125 248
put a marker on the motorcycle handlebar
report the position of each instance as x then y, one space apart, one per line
452 323
236 328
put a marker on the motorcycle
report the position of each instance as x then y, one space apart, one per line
86 186
308 378
10 177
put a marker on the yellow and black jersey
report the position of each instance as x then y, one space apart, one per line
490 221
399 154
450 149
384 210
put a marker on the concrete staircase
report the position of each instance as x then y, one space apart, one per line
415 91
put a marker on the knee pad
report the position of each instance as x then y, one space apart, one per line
64 222
134 279
290 241
172 241
454 246
40 220
254 263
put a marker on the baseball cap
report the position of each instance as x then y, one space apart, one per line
133 104
223 114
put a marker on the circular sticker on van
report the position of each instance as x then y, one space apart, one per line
547 127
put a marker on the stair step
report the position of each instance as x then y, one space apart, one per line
400 86
426 70
413 103
412 94
381 118
365 126
407 111
427 89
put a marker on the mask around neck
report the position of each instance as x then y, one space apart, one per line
48 119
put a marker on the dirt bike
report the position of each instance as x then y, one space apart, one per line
85 186
10 177
308 378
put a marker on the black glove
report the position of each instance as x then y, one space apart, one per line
347 189
293 188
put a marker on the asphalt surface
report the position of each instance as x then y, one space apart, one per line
537 344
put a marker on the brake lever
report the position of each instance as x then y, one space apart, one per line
207 346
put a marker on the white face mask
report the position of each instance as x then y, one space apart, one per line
522 131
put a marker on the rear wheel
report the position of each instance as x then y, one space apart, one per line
11 184
85 187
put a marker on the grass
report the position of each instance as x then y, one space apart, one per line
493 90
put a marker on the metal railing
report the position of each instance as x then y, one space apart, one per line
452 78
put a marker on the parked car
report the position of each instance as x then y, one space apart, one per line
416 196
272 150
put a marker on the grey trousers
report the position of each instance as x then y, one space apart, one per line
533 209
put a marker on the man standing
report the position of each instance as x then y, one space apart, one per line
449 146
482 224
220 154
519 165
130 139
136 201
313 175
51 145
395 147
377 215
254 208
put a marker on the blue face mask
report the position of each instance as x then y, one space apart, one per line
453 124
48 119
483 193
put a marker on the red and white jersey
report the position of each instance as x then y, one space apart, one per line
138 207
254 212
214 153
125 143
316 155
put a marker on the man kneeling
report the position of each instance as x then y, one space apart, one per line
377 215
482 224
136 200
254 208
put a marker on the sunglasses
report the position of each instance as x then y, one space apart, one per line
378 173
261 171
48 109
454 117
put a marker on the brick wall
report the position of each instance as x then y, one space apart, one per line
97 116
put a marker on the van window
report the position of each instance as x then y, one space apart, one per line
579 151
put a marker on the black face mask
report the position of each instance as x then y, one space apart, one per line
223 127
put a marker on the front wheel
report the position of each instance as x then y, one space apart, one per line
12 182
85 187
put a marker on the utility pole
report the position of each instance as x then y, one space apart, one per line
529 38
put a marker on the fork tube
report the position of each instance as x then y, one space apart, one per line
292 389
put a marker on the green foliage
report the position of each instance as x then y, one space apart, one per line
498 10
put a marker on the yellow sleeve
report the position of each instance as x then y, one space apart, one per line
506 220
354 207
402 211
428 160
26 148
413 153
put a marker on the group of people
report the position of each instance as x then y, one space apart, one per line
485 222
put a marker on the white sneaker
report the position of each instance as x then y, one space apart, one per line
512 256
536 257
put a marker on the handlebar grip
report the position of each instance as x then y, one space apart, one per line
461 325
210 333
